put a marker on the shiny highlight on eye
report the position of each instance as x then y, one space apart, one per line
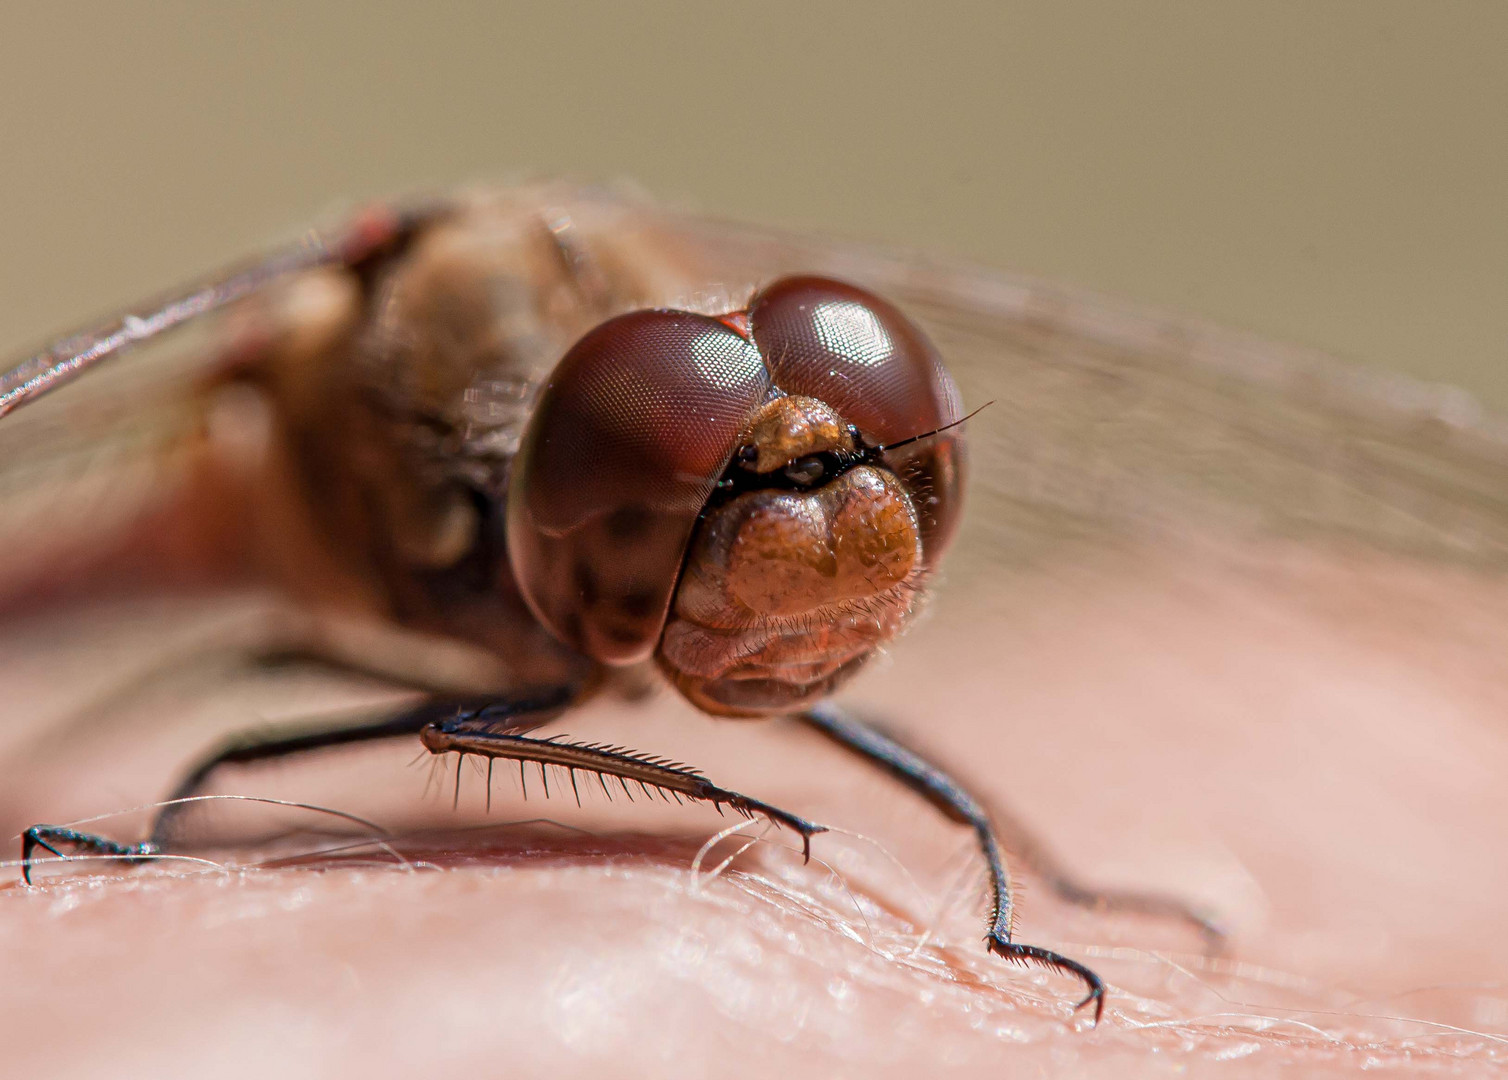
852 330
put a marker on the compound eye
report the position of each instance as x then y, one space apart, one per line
626 442
858 353
806 472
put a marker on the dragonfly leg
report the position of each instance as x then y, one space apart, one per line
945 793
1032 853
1129 901
463 735
491 713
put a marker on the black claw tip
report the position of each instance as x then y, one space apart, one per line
1001 945
808 830
31 839
1096 995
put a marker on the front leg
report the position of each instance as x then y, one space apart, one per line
463 735
523 713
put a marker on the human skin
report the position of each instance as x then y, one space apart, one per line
1311 743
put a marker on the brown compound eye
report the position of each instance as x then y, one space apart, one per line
625 445
840 344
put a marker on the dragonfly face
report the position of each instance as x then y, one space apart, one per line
714 491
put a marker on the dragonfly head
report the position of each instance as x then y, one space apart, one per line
728 494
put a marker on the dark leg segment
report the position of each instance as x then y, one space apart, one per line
1157 905
943 792
463 735
515 715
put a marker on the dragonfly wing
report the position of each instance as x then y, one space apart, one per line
83 461
1111 424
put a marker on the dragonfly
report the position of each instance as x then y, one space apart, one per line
591 442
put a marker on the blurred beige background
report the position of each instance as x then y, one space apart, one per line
1332 174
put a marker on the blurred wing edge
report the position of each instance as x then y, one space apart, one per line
1114 420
